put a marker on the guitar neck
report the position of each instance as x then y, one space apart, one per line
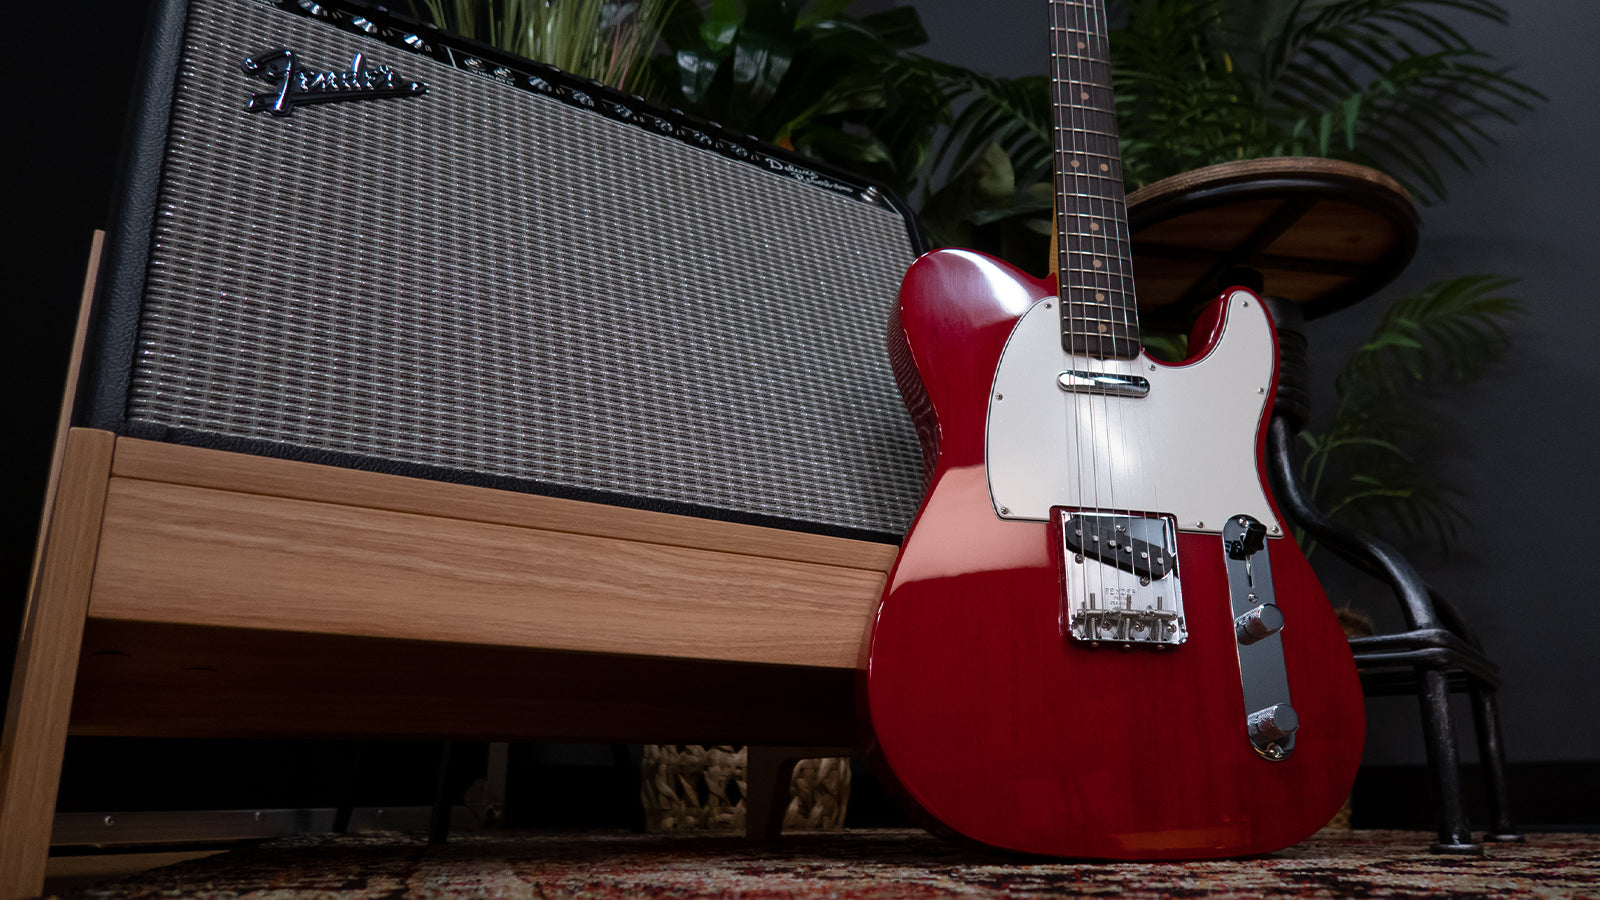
1098 312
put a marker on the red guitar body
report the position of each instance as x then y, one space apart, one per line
995 726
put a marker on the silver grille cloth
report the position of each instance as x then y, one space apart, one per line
491 281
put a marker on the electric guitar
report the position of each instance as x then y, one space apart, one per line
1099 639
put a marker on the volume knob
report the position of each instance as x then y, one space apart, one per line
1274 723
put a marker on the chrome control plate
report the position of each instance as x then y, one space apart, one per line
1270 720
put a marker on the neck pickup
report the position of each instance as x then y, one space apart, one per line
1105 384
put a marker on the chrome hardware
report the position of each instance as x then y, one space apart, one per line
1275 723
1250 540
1261 622
1103 383
1257 623
1120 579
295 85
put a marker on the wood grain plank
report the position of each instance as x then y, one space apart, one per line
177 464
69 394
1249 169
47 658
200 556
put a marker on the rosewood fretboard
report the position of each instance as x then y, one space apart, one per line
1098 315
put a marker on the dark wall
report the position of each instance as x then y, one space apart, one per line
64 82
1521 444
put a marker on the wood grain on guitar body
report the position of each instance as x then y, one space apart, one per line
1098 639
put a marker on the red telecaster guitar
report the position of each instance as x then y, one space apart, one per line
1098 639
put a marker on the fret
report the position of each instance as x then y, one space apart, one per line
1101 320
1085 319
1096 177
1099 273
1102 346
1104 296
1084 130
1092 236
1092 270
1107 156
1099 180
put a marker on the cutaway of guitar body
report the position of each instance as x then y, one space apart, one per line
994 722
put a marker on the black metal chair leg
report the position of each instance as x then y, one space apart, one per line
347 790
1486 715
1439 734
1422 613
439 822
1370 555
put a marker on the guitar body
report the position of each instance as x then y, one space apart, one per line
988 718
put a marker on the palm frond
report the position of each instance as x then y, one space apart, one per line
1391 83
1363 465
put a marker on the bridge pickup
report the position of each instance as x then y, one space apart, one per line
1109 540
1104 384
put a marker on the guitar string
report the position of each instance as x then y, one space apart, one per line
1112 407
1065 288
1145 474
1125 465
1087 426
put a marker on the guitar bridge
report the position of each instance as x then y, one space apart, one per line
1119 579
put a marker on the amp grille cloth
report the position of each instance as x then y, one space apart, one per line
491 281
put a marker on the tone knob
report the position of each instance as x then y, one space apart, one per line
1263 621
1274 723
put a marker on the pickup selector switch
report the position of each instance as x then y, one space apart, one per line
1263 621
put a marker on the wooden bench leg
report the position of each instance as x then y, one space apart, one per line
37 710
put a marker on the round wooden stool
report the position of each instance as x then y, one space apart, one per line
1322 233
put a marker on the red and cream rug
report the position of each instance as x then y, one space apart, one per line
852 865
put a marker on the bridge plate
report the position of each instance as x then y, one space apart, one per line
1119 578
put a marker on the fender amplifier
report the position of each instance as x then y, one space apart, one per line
347 238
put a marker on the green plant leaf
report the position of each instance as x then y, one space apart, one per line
721 24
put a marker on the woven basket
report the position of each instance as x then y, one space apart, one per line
689 788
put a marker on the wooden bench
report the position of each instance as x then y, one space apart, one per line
187 592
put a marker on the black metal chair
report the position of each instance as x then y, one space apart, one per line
1325 234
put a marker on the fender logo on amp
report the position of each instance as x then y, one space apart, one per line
294 85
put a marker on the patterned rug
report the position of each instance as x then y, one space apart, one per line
854 865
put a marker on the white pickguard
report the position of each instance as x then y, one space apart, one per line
1188 449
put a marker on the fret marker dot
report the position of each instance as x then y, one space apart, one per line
1104 167
1084 95
1102 329
1082 45
1094 226
1100 296
1074 164
1097 264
